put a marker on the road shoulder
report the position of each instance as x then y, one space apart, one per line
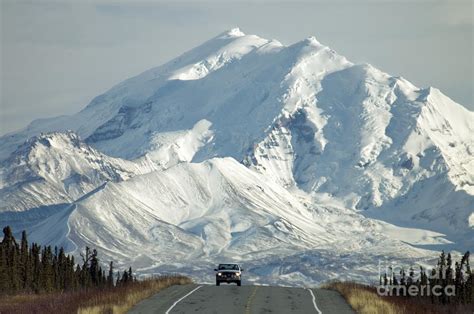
331 301
162 301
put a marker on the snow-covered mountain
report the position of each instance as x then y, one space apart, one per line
244 148
59 168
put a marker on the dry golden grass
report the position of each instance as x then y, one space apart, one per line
363 300
108 300
136 292
13 300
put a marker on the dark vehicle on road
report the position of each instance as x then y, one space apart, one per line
228 273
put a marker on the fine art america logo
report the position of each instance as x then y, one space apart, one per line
418 281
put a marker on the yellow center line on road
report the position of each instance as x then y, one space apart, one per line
252 296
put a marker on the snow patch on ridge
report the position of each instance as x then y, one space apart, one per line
171 148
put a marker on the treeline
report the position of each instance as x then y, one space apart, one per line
34 268
444 284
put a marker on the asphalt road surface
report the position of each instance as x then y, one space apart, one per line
231 299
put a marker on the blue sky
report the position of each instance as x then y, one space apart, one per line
57 55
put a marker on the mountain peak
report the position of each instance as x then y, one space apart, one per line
47 140
233 32
312 40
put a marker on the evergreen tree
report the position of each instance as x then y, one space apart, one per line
411 277
62 269
433 280
11 251
391 276
110 278
423 277
47 271
119 281
403 279
124 280
448 280
94 269
25 263
395 280
442 275
469 285
3 269
36 265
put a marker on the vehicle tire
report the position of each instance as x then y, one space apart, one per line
239 283
218 283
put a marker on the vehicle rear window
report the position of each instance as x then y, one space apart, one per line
228 267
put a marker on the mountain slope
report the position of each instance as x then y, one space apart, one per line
58 168
215 211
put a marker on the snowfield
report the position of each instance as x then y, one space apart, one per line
290 160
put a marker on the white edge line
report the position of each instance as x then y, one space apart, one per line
314 301
181 299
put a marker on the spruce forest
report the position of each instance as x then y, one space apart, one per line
443 284
34 268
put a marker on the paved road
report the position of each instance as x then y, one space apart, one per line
231 299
